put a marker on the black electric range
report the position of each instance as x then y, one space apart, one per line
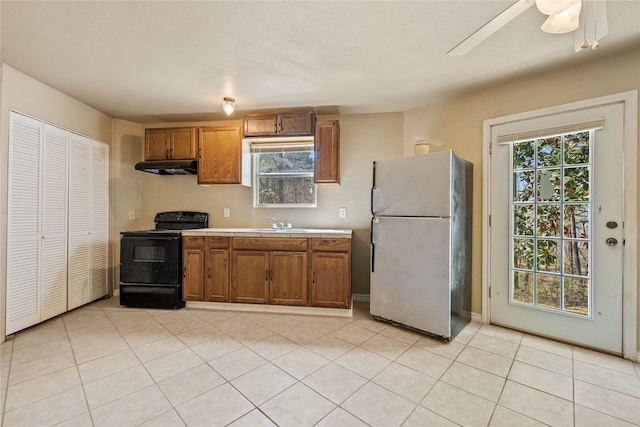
151 261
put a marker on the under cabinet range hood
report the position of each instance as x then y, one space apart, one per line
169 167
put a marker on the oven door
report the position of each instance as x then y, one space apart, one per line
152 259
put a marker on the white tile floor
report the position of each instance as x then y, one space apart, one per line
106 365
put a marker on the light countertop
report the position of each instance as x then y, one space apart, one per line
270 232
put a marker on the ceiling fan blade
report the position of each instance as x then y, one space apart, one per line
491 27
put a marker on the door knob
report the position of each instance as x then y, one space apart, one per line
611 241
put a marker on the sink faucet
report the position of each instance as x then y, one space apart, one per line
277 224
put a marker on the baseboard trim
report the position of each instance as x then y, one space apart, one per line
476 317
361 297
266 308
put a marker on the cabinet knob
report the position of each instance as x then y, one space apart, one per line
209 272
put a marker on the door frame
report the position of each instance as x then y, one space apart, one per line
629 100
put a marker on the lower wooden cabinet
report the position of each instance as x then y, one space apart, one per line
193 274
330 273
288 278
250 277
205 262
282 271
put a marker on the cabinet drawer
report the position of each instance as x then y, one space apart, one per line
270 244
218 242
192 242
333 245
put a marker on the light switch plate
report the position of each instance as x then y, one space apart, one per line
226 212
132 214
343 212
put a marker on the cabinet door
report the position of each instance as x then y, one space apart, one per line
156 145
296 124
327 152
288 276
330 280
250 277
217 281
182 143
261 125
193 274
220 155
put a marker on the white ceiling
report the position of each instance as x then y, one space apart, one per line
153 61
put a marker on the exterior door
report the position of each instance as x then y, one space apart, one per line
557 227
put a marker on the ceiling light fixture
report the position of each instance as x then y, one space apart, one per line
228 105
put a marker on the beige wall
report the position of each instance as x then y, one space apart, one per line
458 122
363 139
126 184
26 95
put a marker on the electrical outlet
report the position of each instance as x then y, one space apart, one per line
343 212
226 212
132 214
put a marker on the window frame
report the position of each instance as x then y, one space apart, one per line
259 147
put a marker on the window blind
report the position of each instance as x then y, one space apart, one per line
508 138
281 148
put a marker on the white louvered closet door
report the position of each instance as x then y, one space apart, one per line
23 231
79 221
99 218
54 222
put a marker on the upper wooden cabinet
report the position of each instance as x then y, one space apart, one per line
223 158
327 152
287 124
172 143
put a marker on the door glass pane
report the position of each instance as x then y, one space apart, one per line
549 220
523 253
523 186
576 221
549 151
551 223
576 295
523 286
524 220
576 258
548 291
548 255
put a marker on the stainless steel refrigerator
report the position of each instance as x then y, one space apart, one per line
421 243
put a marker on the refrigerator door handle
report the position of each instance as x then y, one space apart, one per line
374 221
375 197
373 187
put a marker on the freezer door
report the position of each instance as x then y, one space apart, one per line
413 186
410 281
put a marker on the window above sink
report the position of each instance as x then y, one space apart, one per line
283 174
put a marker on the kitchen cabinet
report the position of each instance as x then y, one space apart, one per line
269 270
285 124
171 143
193 260
327 152
223 158
205 263
330 273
